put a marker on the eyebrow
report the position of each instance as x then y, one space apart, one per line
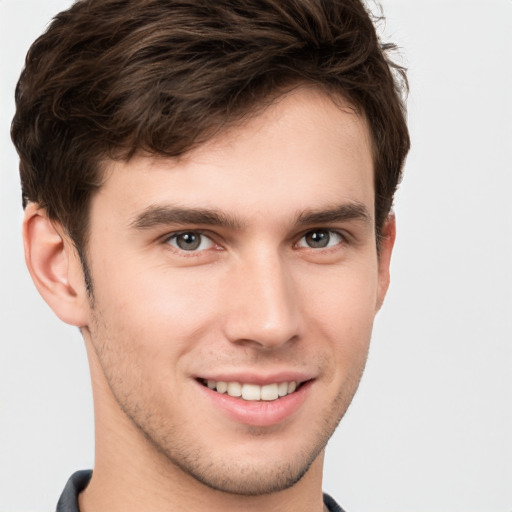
344 212
158 215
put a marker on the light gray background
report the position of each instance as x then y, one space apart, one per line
430 429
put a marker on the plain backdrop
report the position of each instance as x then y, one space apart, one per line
430 429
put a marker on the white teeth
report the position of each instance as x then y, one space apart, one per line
253 392
234 389
269 392
222 387
282 389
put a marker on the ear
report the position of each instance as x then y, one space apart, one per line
55 267
386 248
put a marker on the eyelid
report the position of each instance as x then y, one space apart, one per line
204 234
345 238
341 233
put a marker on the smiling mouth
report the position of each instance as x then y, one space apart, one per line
253 392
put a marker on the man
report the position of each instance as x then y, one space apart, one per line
207 190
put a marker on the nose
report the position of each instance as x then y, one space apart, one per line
263 308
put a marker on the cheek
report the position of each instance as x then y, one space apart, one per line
343 296
156 308
340 309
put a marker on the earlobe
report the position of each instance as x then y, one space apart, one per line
54 265
386 248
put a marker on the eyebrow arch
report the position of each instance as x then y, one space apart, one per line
343 212
157 215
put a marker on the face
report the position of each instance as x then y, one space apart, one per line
247 267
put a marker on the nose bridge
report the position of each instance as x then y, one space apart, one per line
264 307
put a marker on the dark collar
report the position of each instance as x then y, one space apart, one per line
68 501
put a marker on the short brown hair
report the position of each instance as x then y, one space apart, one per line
110 78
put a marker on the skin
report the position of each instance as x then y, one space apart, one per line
253 299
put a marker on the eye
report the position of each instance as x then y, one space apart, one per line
320 239
190 241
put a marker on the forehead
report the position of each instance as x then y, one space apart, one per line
304 151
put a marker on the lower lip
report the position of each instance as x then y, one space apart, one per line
259 413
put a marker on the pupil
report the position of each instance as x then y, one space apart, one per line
318 239
188 241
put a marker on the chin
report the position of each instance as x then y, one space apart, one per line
248 480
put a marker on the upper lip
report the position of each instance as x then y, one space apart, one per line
251 377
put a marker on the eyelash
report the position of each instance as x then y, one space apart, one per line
342 238
204 237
